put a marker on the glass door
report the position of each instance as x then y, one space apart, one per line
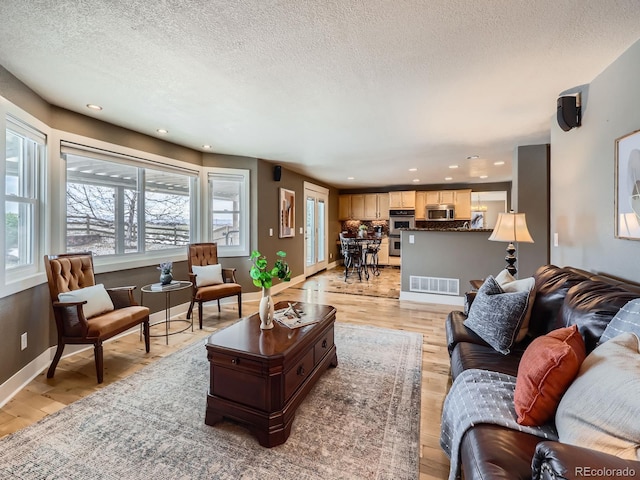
316 224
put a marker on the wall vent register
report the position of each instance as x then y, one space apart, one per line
442 286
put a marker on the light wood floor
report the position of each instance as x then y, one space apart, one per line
75 375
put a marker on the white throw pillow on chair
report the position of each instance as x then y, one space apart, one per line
208 275
98 300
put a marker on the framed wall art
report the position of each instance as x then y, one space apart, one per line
287 213
628 186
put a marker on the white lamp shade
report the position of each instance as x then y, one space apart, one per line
511 227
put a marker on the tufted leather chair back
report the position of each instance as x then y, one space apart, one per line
201 254
67 272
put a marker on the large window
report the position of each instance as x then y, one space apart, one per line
229 203
118 206
25 150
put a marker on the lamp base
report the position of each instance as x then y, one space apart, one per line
511 259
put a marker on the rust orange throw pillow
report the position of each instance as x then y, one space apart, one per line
547 368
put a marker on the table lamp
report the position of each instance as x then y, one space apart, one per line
511 227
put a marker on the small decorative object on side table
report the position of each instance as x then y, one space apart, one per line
263 276
166 272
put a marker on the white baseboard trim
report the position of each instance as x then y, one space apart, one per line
30 371
34 368
432 298
26 374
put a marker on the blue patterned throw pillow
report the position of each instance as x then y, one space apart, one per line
626 320
496 316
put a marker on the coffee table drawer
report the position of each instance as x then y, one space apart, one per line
323 345
239 387
296 375
235 362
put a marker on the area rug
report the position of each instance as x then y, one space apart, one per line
360 421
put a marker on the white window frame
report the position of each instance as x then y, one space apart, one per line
26 276
241 250
111 263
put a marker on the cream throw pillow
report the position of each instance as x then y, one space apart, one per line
208 275
599 410
510 284
97 298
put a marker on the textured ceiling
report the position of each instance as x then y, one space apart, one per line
332 88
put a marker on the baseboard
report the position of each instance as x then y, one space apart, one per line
34 368
30 371
432 298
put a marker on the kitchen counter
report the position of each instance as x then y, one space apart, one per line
437 264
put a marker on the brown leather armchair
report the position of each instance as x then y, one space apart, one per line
203 254
70 273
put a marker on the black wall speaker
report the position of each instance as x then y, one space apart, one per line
277 173
569 114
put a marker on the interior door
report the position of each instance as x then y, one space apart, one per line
316 225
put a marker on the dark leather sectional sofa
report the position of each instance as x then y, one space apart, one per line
564 297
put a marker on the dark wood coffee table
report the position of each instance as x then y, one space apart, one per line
259 378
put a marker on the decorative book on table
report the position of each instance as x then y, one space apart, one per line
158 287
293 317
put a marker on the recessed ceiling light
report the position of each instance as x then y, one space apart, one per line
94 107
473 157
453 166
448 178
416 180
351 178
162 130
413 169
484 176
206 147
498 163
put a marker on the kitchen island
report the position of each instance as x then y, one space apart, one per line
438 263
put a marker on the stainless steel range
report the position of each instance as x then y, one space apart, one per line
399 219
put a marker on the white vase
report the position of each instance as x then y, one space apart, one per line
266 310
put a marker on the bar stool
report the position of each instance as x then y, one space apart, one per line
351 251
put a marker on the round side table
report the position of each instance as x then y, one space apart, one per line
167 290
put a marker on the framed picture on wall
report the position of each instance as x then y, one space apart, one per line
287 213
627 199
477 219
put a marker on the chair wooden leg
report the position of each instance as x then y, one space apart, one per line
239 305
145 327
200 313
56 359
190 309
219 306
97 353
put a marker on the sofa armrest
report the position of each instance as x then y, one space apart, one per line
457 332
560 461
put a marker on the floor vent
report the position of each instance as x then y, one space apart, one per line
443 286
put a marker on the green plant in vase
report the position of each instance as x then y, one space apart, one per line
263 276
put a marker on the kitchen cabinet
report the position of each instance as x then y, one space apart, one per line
344 207
463 205
421 203
383 253
351 207
376 206
368 206
357 206
403 199
441 197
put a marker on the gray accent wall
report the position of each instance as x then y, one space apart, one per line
532 199
583 173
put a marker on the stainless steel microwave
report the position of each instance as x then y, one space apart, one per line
440 212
